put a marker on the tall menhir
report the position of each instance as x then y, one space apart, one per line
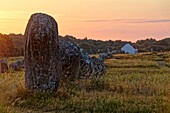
42 57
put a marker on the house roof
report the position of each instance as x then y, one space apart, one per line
127 46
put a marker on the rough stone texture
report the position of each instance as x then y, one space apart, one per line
70 58
98 65
76 63
105 56
3 66
91 67
42 57
17 66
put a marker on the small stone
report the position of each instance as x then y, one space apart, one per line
16 66
3 66
105 56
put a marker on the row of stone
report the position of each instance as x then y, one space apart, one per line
105 56
76 63
16 66
85 66
47 58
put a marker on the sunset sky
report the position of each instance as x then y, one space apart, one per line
128 20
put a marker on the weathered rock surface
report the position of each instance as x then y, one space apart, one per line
76 63
70 58
17 66
3 66
105 56
42 57
98 66
91 66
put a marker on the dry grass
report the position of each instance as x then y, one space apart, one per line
131 85
130 63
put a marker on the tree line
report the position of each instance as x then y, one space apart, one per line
99 46
13 45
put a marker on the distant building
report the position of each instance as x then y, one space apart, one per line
127 48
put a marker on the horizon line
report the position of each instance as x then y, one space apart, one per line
97 39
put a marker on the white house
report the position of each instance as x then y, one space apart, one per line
127 48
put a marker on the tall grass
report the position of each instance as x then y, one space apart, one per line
129 86
130 63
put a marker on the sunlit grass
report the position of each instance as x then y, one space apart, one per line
131 85
13 59
130 63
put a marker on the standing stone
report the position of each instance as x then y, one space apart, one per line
70 58
98 66
76 63
42 57
3 66
91 66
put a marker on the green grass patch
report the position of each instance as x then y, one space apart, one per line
130 85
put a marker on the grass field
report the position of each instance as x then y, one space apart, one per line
132 84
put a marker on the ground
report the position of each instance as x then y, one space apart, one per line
132 84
